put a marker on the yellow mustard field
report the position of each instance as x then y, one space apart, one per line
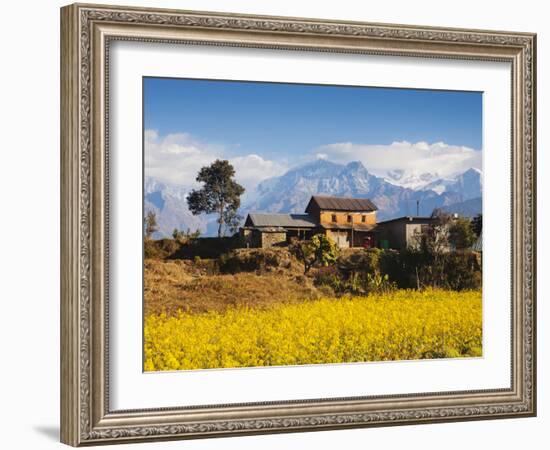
398 326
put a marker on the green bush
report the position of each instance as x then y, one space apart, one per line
415 269
374 270
365 260
319 251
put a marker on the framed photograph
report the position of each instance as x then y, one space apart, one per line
276 224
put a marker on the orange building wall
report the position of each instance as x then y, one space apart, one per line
342 217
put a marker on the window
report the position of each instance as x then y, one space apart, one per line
363 218
334 217
349 218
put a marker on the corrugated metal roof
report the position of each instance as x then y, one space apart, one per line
343 203
280 220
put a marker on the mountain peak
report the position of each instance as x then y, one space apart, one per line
320 162
355 165
317 168
472 172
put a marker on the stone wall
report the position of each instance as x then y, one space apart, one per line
273 238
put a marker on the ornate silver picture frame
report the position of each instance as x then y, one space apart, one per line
87 33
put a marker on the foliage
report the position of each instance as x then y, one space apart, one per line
150 223
319 251
463 270
434 239
410 268
477 224
402 325
331 277
187 236
356 273
366 260
434 260
220 194
461 234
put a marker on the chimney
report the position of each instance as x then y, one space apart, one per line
417 208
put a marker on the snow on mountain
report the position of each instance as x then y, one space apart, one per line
468 184
290 193
169 204
410 179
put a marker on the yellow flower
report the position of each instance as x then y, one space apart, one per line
396 326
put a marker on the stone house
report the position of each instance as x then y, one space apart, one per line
268 230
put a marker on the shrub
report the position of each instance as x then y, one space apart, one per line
330 277
319 251
411 268
461 234
365 260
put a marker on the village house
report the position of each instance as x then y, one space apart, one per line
350 222
402 232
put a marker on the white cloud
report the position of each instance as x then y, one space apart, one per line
252 169
176 159
439 159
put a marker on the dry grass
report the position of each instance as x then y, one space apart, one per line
178 285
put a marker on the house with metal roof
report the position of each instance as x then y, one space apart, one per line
350 222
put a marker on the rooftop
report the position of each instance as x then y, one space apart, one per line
280 220
423 219
342 203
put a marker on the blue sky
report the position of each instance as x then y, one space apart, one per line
288 124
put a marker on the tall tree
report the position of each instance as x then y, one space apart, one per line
461 234
220 194
477 224
150 224
434 239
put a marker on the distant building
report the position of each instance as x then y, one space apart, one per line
268 230
350 222
402 232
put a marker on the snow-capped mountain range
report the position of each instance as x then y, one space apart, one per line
395 194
